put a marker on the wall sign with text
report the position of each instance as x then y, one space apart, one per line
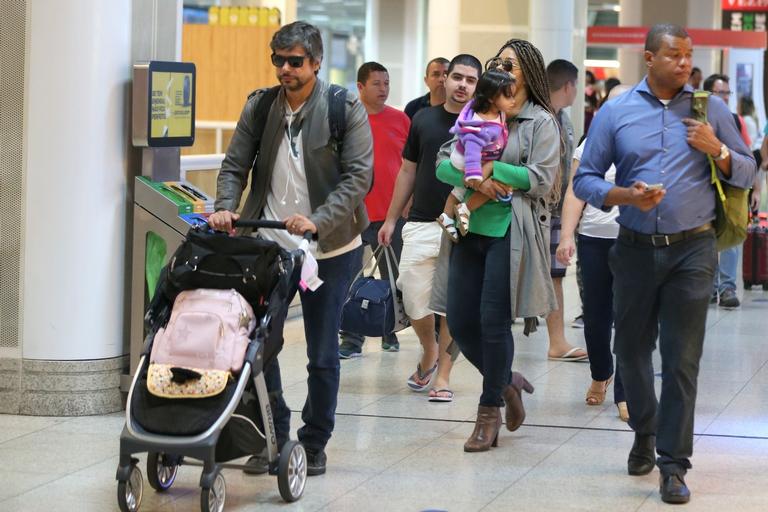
745 15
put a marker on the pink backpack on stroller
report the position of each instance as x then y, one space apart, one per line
202 345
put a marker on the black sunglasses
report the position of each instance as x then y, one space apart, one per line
506 64
295 61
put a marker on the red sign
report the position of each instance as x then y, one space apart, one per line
744 5
635 36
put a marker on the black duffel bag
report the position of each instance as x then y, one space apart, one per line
250 265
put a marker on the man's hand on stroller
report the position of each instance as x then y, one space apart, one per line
298 225
222 221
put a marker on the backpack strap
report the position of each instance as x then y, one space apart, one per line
337 115
262 111
699 105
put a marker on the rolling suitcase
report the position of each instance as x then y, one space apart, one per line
755 261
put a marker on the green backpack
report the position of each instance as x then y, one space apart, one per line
731 203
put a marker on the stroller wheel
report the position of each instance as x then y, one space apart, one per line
212 499
292 471
161 471
129 491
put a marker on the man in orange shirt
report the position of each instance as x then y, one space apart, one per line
389 128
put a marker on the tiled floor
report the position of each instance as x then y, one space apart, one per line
394 451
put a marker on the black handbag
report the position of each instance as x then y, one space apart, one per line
374 307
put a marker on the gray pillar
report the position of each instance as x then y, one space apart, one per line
562 37
632 67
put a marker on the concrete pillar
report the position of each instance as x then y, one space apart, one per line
76 171
705 14
443 29
395 37
562 37
632 67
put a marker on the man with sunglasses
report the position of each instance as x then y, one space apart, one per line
304 177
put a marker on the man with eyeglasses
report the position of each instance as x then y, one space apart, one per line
304 177
434 78
724 286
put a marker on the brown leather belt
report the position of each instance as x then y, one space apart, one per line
660 240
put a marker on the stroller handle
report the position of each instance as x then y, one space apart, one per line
266 224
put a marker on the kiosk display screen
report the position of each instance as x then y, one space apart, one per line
171 116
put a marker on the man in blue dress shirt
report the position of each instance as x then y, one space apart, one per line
663 262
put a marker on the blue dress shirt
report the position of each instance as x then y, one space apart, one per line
647 141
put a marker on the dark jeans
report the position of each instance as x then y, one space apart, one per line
579 280
371 238
662 291
321 310
480 310
597 303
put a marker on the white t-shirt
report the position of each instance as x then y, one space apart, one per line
594 221
754 134
289 194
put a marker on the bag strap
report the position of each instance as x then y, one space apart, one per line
262 111
337 115
389 259
376 255
699 108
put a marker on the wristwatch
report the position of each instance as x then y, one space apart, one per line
724 153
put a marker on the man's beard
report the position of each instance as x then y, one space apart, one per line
294 83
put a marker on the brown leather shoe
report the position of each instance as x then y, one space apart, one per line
515 413
486 433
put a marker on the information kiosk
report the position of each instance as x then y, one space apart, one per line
164 208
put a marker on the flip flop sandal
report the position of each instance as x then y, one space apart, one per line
420 381
571 355
440 395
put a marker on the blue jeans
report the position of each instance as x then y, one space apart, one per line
597 303
662 292
726 270
480 310
322 316
371 238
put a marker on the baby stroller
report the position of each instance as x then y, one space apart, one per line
238 421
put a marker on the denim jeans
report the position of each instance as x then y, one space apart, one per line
726 270
662 291
371 238
480 310
598 309
322 315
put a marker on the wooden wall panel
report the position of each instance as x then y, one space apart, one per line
231 62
